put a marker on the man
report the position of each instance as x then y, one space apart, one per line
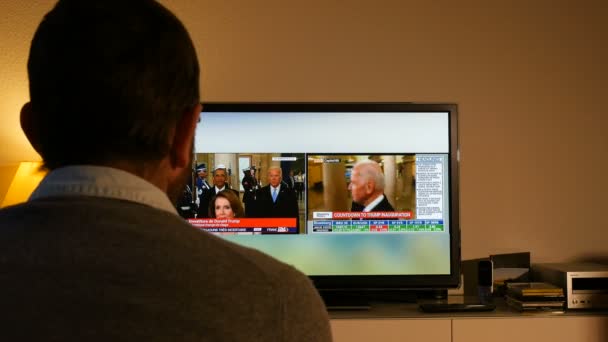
276 199
291 180
367 187
220 176
299 180
98 253
186 207
201 178
219 184
203 190
250 186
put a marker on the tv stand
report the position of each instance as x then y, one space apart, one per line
406 322
362 299
338 302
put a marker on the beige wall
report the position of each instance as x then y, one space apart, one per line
528 76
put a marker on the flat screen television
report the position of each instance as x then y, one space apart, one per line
334 160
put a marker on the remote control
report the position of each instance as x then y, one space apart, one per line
456 307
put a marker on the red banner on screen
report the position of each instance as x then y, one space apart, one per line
243 222
371 215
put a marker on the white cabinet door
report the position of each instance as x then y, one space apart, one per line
531 329
392 330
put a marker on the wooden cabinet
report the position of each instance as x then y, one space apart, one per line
393 323
391 330
531 329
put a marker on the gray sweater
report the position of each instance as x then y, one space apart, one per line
95 269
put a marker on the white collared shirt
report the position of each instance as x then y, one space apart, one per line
374 203
101 181
217 190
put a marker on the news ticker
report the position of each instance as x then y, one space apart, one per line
289 225
366 226
340 215
258 230
247 225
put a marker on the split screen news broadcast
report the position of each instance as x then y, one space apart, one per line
335 189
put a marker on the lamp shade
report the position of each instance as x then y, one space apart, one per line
27 178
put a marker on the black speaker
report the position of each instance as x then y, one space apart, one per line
485 280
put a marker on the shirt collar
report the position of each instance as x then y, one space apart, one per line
101 181
374 203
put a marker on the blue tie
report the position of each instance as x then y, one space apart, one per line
274 195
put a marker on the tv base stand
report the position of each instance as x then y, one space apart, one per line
362 299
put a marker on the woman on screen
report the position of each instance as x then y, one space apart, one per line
226 205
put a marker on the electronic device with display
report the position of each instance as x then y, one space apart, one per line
368 192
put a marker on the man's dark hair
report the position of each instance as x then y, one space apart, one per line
109 79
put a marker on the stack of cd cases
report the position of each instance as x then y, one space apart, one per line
534 296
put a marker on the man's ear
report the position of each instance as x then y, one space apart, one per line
181 148
29 126
370 186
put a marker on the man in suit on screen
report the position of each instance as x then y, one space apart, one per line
250 186
220 176
367 187
276 199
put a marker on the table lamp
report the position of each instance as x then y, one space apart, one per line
27 178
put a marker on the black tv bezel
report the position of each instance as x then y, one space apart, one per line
380 282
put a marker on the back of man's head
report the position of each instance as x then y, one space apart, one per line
109 80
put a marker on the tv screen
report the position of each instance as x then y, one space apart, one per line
366 193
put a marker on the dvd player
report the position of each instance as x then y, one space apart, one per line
585 284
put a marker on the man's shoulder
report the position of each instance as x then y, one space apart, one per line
86 211
288 189
67 216
58 203
264 190
384 205
131 228
221 281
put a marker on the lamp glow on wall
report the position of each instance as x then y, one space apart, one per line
27 178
